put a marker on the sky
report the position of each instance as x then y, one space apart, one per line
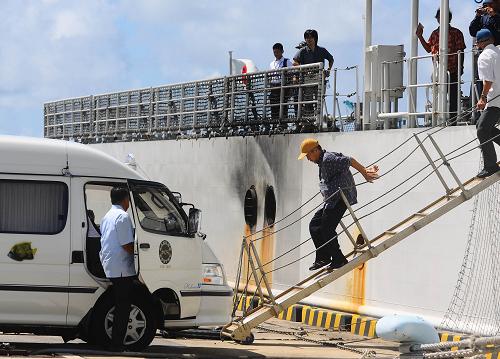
55 49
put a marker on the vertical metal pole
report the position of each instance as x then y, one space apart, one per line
320 99
230 63
386 93
443 57
474 79
93 125
334 110
266 97
448 87
459 86
367 81
412 67
435 86
341 120
358 105
283 108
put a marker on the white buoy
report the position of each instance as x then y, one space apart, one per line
406 329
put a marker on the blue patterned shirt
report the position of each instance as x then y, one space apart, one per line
334 173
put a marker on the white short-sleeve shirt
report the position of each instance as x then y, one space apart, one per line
278 64
116 231
488 66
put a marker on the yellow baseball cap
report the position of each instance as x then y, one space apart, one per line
307 145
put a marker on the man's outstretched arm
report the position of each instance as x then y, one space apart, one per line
370 174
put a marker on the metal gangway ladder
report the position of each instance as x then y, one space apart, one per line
271 305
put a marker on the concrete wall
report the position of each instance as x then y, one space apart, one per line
416 276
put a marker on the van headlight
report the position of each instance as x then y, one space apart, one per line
213 274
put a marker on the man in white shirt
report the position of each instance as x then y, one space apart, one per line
117 258
275 80
489 102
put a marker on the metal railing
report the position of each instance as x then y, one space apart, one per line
433 113
277 101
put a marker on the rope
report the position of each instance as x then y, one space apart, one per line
376 210
475 304
449 122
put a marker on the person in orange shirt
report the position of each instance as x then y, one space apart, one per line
455 43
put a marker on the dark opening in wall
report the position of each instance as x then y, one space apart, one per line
270 206
250 207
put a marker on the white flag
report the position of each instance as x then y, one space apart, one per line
243 66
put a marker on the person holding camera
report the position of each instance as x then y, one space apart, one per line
487 17
311 54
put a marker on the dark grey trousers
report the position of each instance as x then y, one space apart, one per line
486 130
122 287
323 229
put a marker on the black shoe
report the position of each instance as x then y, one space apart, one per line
486 173
336 264
318 265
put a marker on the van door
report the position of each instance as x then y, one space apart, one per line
90 202
34 249
168 256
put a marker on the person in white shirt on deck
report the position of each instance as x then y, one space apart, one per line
117 258
489 72
275 80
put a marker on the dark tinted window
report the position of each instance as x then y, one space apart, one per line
33 207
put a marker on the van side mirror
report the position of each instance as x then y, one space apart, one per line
194 220
177 196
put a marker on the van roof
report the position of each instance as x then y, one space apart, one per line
32 155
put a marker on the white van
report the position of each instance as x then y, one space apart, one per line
52 281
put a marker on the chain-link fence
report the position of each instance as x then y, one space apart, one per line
285 100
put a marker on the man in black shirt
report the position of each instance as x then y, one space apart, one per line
310 54
487 17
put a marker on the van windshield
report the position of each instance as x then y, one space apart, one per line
156 210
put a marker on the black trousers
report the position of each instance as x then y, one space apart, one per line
486 130
323 228
122 288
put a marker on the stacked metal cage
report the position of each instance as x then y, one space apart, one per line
268 102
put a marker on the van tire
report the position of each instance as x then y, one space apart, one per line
144 308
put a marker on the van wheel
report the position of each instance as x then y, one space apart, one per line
141 328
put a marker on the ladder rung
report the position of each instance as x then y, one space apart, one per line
390 232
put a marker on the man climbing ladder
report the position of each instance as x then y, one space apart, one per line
334 173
